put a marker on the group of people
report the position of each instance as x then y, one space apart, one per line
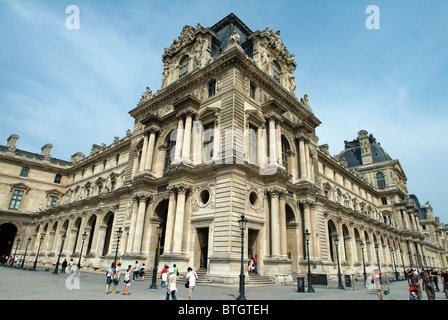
428 281
113 277
253 265
171 275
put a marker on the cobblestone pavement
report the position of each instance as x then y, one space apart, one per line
40 285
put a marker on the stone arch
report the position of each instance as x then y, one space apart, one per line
332 232
8 232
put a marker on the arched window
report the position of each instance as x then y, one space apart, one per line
170 148
183 66
285 152
276 70
380 180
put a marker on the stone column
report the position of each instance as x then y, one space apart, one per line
130 240
186 145
144 153
179 221
272 143
137 243
283 231
275 222
150 153
179 139
278 133
170 220
309 225
302 158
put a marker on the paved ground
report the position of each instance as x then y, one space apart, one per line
40 285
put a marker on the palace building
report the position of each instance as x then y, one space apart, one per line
224 136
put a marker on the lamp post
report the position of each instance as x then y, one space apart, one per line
60 252
310 283
84 236
336 242
15 251
156 258
26 249
119 233
242 223
378 259
37 255
361 244
395 266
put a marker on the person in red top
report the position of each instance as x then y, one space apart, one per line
256 264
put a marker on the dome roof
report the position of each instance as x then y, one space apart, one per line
352 152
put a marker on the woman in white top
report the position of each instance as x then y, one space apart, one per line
172 281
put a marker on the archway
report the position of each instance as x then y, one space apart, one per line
8 232
161 212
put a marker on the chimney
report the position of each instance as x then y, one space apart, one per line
364 143
12 142
46 150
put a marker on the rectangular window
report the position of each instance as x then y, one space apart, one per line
57 178
211 89
24 172
384 201
252 91
16 199
53 201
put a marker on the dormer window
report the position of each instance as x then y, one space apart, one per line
380 180
183 66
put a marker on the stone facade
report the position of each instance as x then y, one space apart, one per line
225 135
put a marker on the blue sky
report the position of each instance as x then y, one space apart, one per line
74 88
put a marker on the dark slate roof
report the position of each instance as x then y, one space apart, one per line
36 156
352 152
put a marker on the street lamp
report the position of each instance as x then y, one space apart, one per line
15 251
37 255
60 252
378 259
156 258
26 249
242 223
395 266
307 239
361 244
84 236
336 242
119 233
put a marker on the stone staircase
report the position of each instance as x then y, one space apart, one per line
257 279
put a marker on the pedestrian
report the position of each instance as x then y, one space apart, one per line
164 275
191 281
176 272
378 285
116 278
172 288
435 278
413 283
64 266
70 266
142 272
256 264
136 268
444 278
127 281
109 276
428 285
